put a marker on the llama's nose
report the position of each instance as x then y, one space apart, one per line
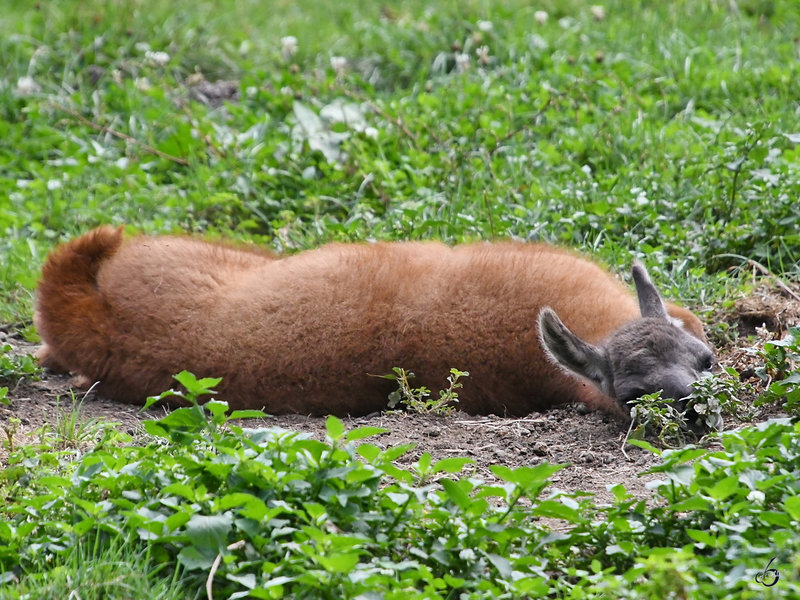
682 387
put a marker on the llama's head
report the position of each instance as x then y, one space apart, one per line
645 355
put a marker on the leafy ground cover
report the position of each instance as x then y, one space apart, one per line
268 513
663 130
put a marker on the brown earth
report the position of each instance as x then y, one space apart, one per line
590 442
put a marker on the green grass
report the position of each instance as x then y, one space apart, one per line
665 130
99 569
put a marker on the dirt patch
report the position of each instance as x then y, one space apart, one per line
590 442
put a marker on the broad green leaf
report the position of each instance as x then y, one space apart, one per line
493 491
456 493
501 563
357 476
197 558
532 587
672 458
555 510
250 506
777 519
209 531
54 483
645 446
197 387
395 452
247 580
335 428
82 527
792 506
527 477
343 562
693 503
451 465
315 448
724 488
702 537
217 408
424 462
177 520
620 492
248 414
369 451
364 432
181 489
186 417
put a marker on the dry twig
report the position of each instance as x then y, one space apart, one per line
215 566
764 271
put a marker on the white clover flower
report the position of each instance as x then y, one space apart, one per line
338 64
598 12
586 169
756 497
53 184
27 86
540 17
288 46
142 84
485 25
467 554
371 132
462 61
157 58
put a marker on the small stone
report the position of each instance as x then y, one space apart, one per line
539 449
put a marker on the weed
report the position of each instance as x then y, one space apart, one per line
717 395
10 429
780 371
16 367
268 513
101 570
71 429
418 400
674 423
652 415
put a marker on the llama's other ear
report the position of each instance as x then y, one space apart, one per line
650 302
567 350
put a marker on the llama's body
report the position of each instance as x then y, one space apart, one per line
310 333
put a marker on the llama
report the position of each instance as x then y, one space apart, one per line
313 332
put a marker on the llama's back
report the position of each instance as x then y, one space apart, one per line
331 317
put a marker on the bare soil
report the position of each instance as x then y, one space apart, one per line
591 443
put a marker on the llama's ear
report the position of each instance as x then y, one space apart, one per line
567 350
650 302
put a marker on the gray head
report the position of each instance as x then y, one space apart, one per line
645 355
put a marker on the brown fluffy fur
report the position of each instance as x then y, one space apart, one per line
308 333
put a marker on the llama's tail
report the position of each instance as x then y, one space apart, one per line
72 315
